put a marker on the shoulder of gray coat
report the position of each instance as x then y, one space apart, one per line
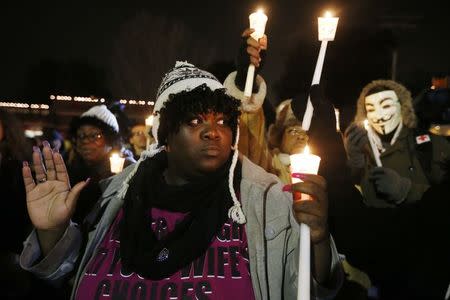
256 174
113 184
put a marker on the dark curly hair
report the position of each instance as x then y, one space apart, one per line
182 106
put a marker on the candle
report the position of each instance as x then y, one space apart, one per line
375 152
338 122
327 30
258 22
149 121
305 163
116 163
327 27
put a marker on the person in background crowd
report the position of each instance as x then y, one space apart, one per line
190 219
285 137
411 160
95 136
14 221
138 139
398 195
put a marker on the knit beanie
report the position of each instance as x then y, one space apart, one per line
186 77
183 77
103 114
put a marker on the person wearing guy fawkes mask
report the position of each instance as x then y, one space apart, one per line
411 161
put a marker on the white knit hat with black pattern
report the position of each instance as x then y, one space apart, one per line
183 77
186 77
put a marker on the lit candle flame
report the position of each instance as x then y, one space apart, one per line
328 14
260 11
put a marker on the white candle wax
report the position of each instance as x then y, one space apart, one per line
116 163
374 149
304 163
258 22
327 27
149 121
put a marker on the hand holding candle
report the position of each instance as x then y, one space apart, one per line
258 22
116 163
304 163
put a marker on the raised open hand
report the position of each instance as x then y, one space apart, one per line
50 200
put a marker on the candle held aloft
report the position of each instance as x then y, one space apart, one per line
116 163
327 31
327 27
258 22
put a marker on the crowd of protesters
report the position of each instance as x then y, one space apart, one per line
378 219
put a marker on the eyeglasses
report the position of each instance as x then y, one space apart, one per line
138 133
90 137
296 131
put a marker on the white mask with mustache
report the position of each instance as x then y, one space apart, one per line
383 111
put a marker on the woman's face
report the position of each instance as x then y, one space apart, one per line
294 140
91 144
201 146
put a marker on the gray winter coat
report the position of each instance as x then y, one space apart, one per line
272 233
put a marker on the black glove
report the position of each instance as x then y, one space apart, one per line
299 102
242 62
355 138
389 184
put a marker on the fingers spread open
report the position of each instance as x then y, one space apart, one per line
38 165
48 158
27 177
60 168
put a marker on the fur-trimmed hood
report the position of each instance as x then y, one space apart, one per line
403 94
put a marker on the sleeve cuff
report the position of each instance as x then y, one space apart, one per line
336 277
61 259
255 102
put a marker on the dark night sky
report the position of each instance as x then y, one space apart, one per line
67 31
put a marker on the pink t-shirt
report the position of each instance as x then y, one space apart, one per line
222 273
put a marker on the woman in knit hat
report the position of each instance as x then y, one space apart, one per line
191 219
95 136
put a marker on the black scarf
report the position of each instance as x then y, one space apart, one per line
206 203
